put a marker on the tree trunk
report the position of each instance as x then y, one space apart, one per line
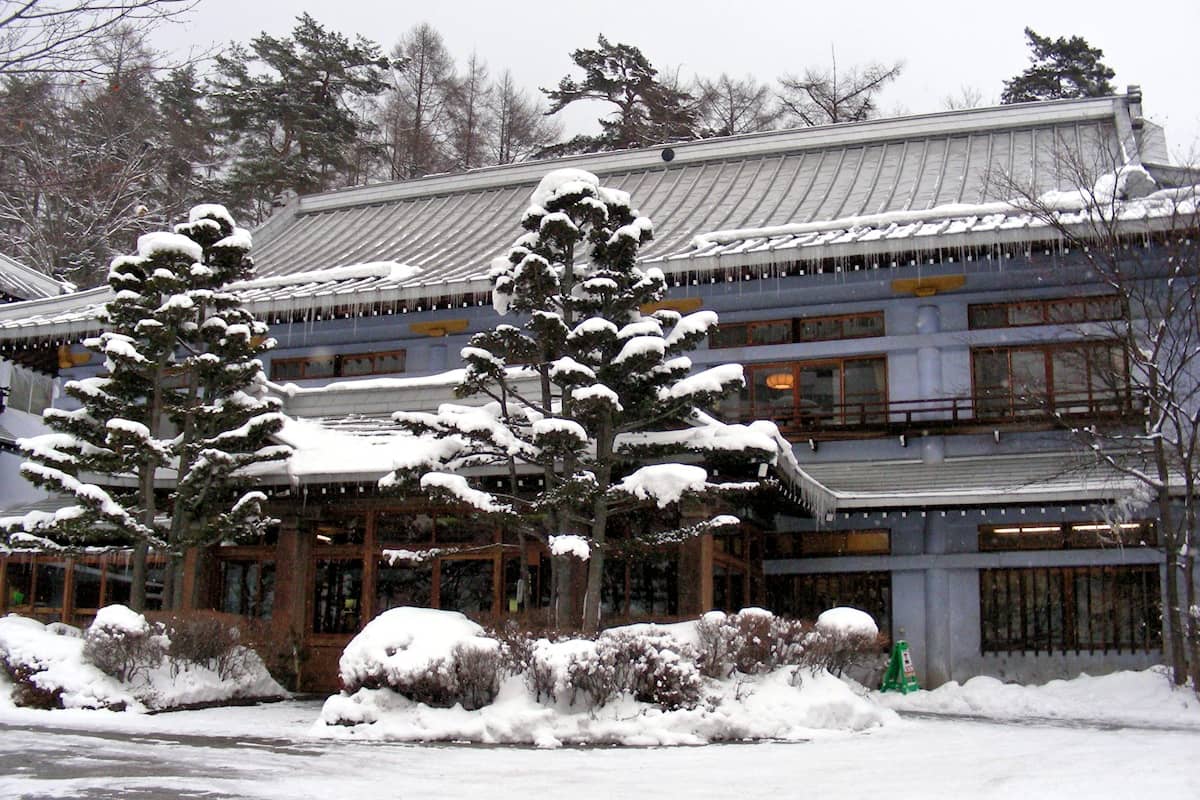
1173 621
563 602
137 581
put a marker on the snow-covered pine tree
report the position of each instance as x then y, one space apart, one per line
178 348
602 388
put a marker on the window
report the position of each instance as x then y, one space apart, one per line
337 607
345 365
806 596
1044 312
641 587
1031 381
1067 536
466 585
816 395
18 582
87 586
401 584
1061 609
28 390
827 543
248 588
799 329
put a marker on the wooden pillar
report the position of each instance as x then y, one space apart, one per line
706 572
68 598
291 580
370 569
190 577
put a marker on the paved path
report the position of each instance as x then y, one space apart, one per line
923 757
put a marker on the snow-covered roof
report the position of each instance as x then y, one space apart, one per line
908 183
18 280
960 481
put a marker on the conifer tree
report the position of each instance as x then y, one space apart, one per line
1061 68
178 348
605 389
648 109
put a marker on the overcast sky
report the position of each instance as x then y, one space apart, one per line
944 45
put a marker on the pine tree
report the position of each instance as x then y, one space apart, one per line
1061 68
648 110
179 349
285 105
605 386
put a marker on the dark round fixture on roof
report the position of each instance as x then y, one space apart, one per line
668 154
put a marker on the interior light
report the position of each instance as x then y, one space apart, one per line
781 380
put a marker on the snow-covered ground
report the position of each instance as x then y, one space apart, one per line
1142 698
227 753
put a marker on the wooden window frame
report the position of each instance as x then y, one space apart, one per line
842 417
339 360
1079 535
796 324
1098 608
1046 308
1048 402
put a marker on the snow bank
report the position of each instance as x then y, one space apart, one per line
551 698
1144 697
754 707
49 661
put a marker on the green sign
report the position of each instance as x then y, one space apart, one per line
900 676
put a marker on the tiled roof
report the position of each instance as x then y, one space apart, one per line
924 170
18 280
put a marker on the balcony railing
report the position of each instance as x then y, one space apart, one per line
865 418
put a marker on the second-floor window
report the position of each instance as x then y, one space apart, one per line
1058 311
808 395
1035 380
345 365
798 329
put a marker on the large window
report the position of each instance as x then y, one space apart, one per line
806 596
337 607
813 395
812 544
799 329
467 585
248 587
1062 609
403 584
641 586
344 365
1086 378
1044 312
1067 536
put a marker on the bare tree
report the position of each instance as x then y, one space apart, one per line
469 114
729 106
1140 241
416 116
520 127
60 36
967 97
824 96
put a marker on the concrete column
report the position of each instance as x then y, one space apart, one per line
929 379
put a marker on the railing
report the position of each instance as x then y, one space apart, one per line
876 417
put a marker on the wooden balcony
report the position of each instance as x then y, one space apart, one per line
874 418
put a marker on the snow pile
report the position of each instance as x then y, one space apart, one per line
58 666
404 645
664 483
570 544
640 685
1144 697
846 621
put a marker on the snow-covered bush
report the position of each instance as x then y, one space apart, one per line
208 641
842 638
755 641
439 658
653 668
120 642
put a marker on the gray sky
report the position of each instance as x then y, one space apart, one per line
944 45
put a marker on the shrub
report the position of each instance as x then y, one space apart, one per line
206 641
477 675
121 643
653 668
